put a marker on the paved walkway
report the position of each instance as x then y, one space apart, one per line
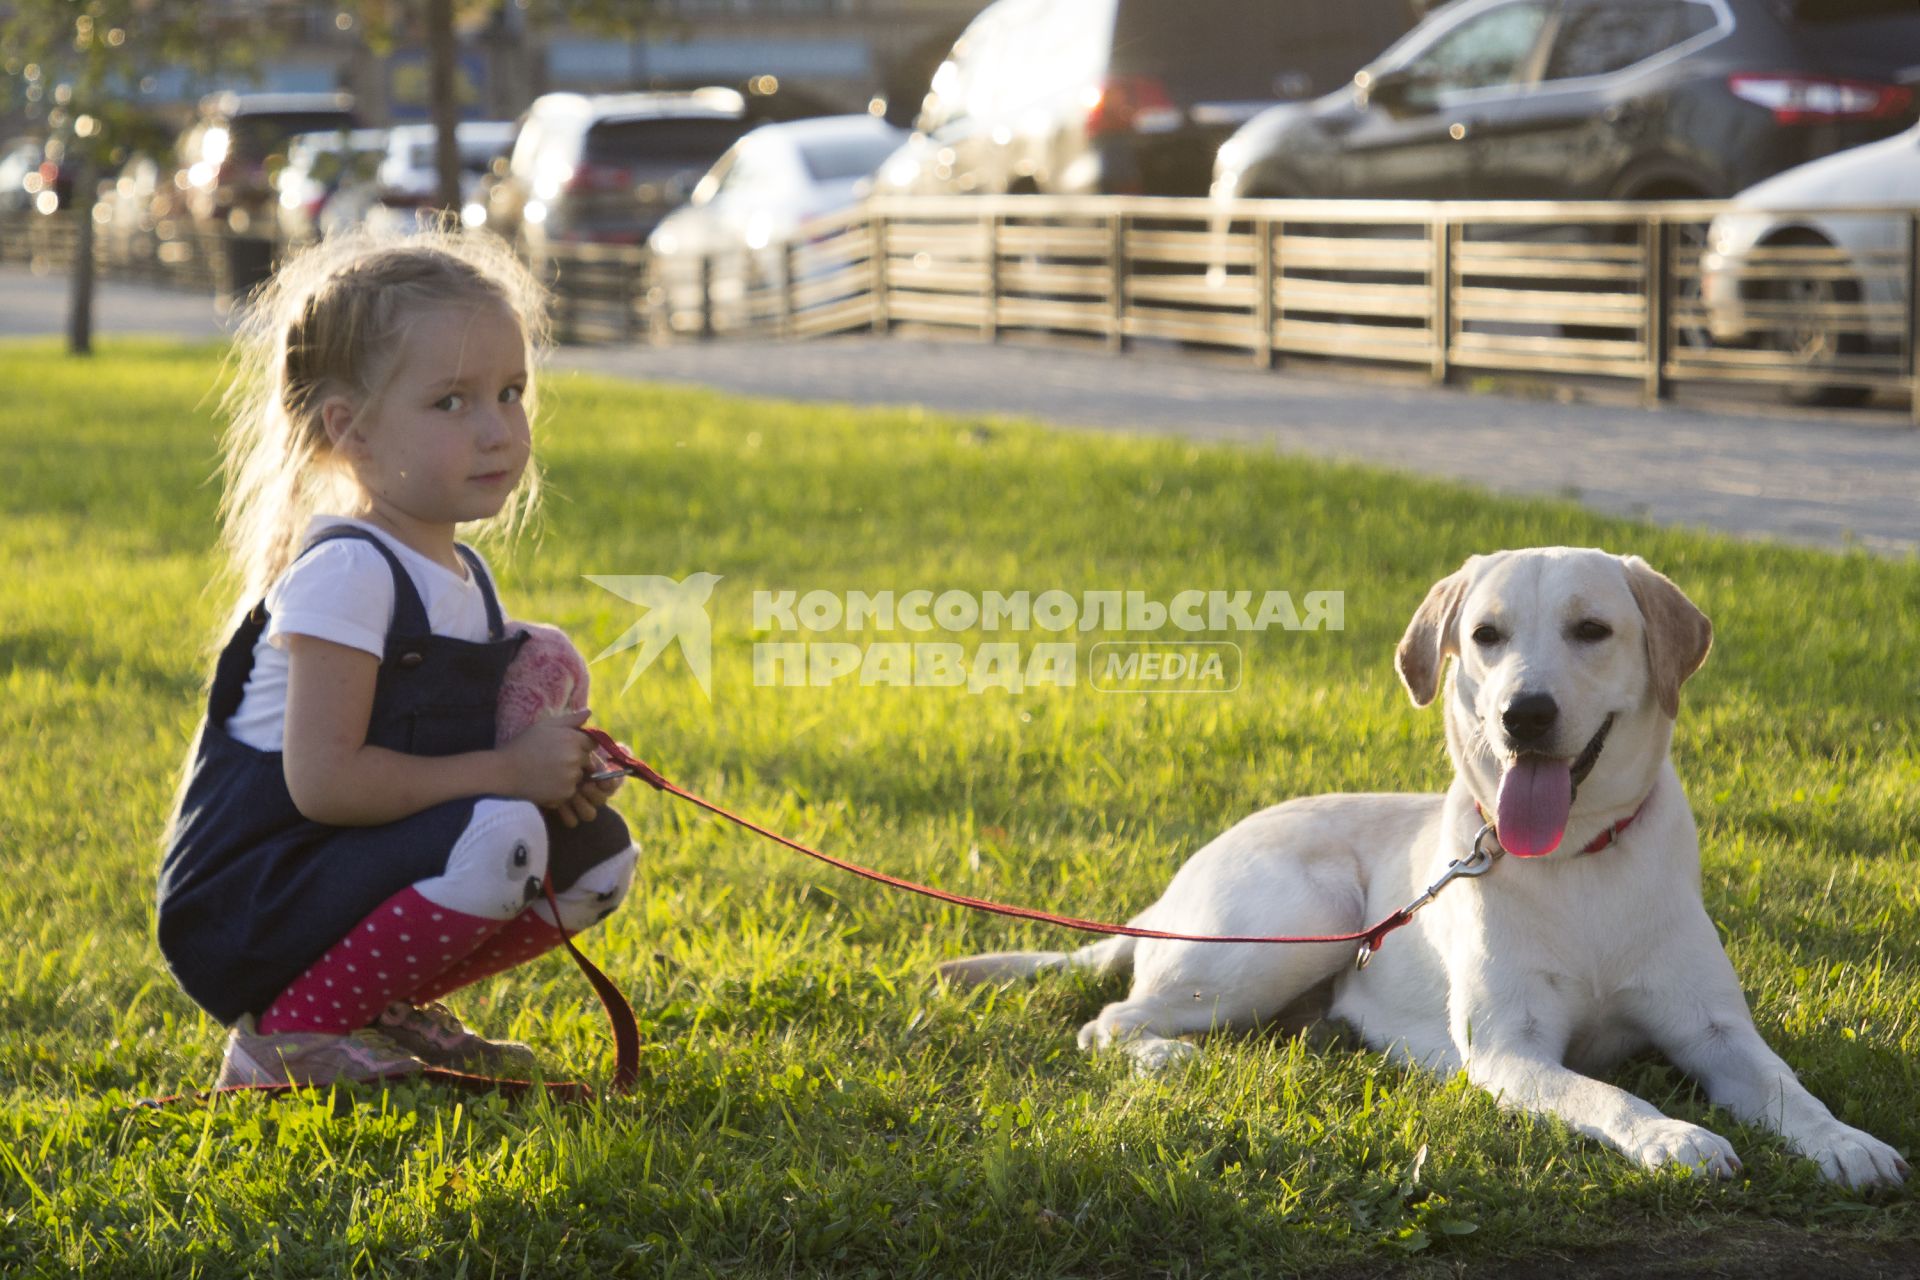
1753 469
1824 479
33 306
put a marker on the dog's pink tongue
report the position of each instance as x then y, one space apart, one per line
1535 796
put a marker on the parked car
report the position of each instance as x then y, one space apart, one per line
318 166
143 205
772 180
606 169
1122 96
754 200
1760 305
237 144
1592 99
18 159
40 173
406 184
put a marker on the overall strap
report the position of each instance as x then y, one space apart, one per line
230 674
235 666
409 614
496 625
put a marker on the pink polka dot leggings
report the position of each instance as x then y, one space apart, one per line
484 914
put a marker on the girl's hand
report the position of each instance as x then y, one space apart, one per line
546 761
589 799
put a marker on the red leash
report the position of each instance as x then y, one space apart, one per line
627 763
626 1032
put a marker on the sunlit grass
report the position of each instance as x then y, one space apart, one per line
810 1101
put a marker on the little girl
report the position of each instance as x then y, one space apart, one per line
348 844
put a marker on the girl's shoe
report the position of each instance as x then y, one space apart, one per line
433 1034
311 1057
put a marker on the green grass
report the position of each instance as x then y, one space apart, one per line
810 1101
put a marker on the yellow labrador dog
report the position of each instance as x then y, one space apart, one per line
1589 943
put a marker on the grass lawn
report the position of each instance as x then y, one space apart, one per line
810 1100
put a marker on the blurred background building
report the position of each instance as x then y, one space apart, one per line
801 57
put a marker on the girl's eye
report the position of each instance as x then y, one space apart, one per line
1486 634
450 402
512 395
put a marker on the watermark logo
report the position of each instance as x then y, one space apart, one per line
1165 666
819 639
676 611
1135 666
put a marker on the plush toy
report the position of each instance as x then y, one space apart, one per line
548 675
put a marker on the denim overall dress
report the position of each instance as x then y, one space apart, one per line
251 891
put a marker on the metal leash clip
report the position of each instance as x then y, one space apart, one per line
1485 853
608 769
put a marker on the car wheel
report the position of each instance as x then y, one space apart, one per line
1688 243
1812 339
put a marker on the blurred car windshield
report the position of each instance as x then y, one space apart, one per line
1882 33
666 143
1849 10
1599 38
323 157
254 137
1228 50
473 158
833 159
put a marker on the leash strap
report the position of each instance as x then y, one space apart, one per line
640 769
557 1090
626 1032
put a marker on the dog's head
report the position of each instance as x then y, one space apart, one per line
1566 682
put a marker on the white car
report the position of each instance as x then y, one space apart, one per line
756 197
19 158
407 183
1823 305
318 166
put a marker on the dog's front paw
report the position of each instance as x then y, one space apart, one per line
1675 1142
1854 1159
1150 1053
1152 1056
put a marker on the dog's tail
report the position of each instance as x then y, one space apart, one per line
1110 956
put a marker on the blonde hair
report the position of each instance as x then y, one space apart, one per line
332 321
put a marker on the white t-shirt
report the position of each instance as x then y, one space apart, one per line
343 591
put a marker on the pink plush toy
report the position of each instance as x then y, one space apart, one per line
548 675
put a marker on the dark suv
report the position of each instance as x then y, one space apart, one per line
1122 96
606 169
235 147
1593 99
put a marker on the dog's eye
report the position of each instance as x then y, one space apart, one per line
1486 633
1590 630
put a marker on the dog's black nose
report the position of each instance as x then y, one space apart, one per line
1529 717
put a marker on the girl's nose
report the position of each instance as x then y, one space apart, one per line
497 430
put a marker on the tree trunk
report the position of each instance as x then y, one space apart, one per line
445 104
80 295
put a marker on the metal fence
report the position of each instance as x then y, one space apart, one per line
170 254
1823 305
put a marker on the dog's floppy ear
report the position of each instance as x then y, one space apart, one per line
1430 636
1678 634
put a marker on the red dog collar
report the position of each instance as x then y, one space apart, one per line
1594 845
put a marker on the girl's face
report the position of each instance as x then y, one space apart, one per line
448 439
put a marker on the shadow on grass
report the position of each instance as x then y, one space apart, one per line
63 654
